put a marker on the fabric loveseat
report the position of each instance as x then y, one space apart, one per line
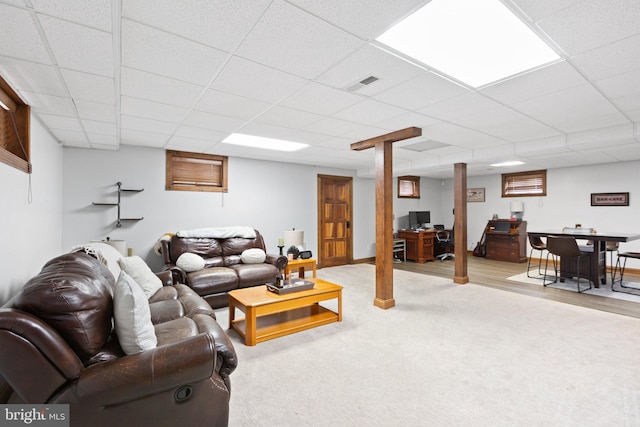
222 261
63 339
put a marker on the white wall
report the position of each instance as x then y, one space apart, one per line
32 231
269 196
568 202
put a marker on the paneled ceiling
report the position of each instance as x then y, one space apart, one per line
184 74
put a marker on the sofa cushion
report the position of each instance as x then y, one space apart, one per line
213 280
135 267
190 262
73 293
132 316
255 274
253 256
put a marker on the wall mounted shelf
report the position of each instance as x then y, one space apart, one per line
121 190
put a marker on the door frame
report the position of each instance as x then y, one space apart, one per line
320 216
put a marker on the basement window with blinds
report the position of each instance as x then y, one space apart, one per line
15 117
522 184
409 187
196 172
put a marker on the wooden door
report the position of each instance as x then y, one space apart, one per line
334 220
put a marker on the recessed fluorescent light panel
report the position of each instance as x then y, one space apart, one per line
262 142
474 41
510 163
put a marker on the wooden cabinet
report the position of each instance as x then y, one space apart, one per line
419 244
507 240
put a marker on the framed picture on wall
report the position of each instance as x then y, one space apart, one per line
609 199
475 194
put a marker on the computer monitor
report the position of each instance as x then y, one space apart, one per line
418 218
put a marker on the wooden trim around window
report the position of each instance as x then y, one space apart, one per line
408 187
15 148
196 172
524 184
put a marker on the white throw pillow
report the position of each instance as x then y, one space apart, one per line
135 267
132 316
253 256
190 262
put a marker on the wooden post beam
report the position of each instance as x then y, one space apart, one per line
460 223
384 210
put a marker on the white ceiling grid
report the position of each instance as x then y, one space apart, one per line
184 75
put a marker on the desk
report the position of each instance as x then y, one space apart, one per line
598 270
420 244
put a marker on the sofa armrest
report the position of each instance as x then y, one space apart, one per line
279 261
166 277
149 372
178 274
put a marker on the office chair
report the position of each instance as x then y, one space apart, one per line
445 238
565 247
538 245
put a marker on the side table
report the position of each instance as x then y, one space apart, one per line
300 264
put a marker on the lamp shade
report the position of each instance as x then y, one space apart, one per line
517 206
293 238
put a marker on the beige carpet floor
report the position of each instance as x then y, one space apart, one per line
446 355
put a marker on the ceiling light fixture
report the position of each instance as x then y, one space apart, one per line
509 163
474 41
262 142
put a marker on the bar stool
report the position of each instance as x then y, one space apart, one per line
620 267
538 245
565 247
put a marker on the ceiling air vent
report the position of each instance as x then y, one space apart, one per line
362 83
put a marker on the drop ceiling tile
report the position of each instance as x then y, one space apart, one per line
425 89
628 104
451 134
152 110
103 142
613 59
592 24
90 87
139 84
192 132
20 38
623 152
262 129
71 138
332 126
539 9
621 85
370 61
364 132
460 106
542 146
245 78
212 121
67 39
48 104
635 116
321 99
92 13
158 52
406 120
305 137
32 77
553 78
369 112
147 125
221 24
228 105
95 111
61 122
287 117
289 39
572 110
94 127
145 139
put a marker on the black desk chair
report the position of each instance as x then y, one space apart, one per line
445 238
565 247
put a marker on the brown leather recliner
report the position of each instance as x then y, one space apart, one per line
223 269
58 345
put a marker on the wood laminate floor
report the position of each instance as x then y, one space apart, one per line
494 274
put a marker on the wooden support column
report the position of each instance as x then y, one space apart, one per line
460 223
384 210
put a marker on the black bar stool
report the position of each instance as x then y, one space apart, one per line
620 268
536 244
565 247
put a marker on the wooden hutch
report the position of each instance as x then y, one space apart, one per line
420 244
506 240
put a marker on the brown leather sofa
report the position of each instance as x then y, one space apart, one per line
58 346
223 269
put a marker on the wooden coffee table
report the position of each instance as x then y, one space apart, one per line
269 315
